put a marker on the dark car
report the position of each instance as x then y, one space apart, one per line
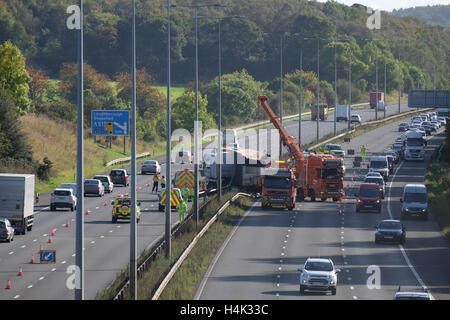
119 176
390 231
403 127
426 128
391 163
394 154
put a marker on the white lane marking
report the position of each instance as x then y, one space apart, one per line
96 207
12 252
41 278
23 246
281 260
118 227
402 249
101 237
54 269
63 262
34 240
282 253
44 235
73 255
345 262
352 288
17 297
111 231
279 268
355 298
92 242
30 286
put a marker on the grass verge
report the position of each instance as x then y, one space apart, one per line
160 266
437 181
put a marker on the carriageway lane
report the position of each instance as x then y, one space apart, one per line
106 247
248 267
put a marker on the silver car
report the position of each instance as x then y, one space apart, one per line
63 198
106 181
6 230
93 186
318 274
150 166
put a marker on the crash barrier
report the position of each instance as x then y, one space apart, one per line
186 252
159 244
122 160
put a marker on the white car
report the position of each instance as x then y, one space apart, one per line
355 118
63 198
318 274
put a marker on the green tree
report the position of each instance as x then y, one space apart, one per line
184 111
14 76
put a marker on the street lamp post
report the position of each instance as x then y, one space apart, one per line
349 87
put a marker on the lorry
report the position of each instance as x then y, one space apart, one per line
442 112
323 112
414 146
17 200
317 176
342 112
279 187
374 102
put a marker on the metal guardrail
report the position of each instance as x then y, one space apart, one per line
186 252
157 246
122 160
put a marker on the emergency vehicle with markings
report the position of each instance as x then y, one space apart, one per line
175 199
184 178
122 209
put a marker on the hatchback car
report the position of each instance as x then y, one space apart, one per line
6 230
318 274
72 186
106 181
119 176
390 231
151 166
369 197
93 186
393 154
399 148
391 163
63 198
355 118
373 174
403 127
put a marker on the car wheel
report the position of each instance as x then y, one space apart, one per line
114 219
302 289
312 195
52 208
425 217
323 199
379 210
160 208
333 291
335 199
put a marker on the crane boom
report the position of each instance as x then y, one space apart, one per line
286 139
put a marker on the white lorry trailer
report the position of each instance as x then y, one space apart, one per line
414 146
342 112
17 200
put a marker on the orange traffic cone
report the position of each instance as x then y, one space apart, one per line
8 286
41 246
53 232
32 258
49 239
20 271
87 212
106 204
67 223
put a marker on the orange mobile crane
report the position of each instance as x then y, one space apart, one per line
317 176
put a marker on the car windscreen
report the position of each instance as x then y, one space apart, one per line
318 266
416 142
61 193
2 225
374 180
117 173
334 147
394 225
369 193
415 197
277 182
150 162
378 164
126 202
94 182
102 179
332 173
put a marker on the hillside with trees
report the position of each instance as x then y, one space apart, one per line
438 14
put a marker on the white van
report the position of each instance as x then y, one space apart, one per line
229 137
414 201
183 157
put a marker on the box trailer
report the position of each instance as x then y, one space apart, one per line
17 200
342 112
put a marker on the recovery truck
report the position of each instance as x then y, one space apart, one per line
321 175
17 200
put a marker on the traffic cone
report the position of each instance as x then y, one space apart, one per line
106 204
49 239
40 248
8 286
87 212
20 271
32 258
67 223
53 232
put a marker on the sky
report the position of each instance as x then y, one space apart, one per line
389 5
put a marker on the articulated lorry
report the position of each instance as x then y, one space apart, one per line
323 112
414 146
17 200
374 102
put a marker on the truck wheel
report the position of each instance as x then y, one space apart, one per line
302 289
323 199
24 231
291 208
29 228
160 208
300 195
333 291
71 208
114 220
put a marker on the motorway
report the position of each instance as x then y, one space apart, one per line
106 244
260 258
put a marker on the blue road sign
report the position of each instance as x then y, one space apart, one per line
110 123
307 105
48 256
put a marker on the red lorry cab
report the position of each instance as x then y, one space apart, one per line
369 197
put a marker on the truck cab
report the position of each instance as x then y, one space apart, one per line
278 188
323 112
414 146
